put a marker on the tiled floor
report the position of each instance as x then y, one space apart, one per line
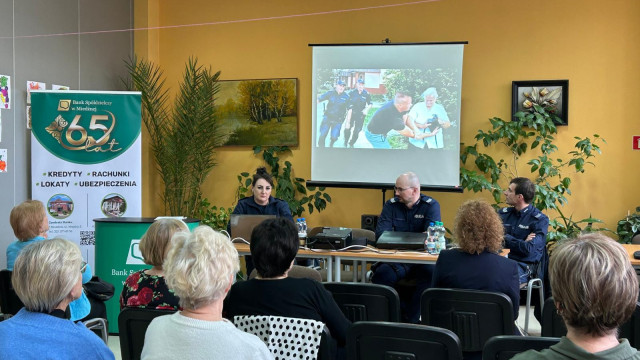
534 330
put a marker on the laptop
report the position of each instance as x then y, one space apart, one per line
242 225
401 240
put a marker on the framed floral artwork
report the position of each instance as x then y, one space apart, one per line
552 95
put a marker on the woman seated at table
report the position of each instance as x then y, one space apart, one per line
200 268
148 288
475 264
47 277
261 203
30 225
274 245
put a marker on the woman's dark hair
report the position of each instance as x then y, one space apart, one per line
261 173
274 245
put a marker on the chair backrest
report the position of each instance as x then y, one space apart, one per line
553 325
297 272
473 315
374 340
366 302
505 347
133 324
364 233
10 303
286 338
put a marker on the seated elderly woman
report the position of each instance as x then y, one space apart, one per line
475 264
47 277
148 288
595 289
200 268
30 225
274 245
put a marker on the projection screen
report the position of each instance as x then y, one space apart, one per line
381 110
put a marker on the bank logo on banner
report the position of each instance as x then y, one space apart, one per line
134 256
84 129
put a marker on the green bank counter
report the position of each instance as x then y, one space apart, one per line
117 255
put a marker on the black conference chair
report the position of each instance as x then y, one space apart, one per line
384 340
474 316
507 346
10 303
133 324
366 302
553 325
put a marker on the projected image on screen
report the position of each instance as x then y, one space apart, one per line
386 109
382 110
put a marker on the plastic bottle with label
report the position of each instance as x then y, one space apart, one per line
441 241
430 243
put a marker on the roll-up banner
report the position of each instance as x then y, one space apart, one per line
85 160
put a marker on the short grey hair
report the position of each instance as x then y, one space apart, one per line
200 266
430 92
45 272
593 283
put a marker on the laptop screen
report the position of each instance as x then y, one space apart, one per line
242 225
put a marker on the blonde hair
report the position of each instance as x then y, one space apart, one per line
154 244
200 266
26 219
45 272
478 228
593 283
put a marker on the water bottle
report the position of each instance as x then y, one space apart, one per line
442 241
304 228
301 235
430 243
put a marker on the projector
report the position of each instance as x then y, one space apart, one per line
330 238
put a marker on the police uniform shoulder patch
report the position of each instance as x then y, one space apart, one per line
505 210
429 200
538 215
392 200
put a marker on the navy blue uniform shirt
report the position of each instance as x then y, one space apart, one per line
517 226
396 216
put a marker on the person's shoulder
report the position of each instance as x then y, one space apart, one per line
506 210
537 214
245 200
393 202
428 199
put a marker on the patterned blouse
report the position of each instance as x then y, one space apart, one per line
147 291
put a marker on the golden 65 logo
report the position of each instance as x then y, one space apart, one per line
88 131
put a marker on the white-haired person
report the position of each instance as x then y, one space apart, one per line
427 119
200 268
47 276
30 225
595 290
148 288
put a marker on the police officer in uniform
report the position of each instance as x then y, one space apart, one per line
408 211
359 104
525 228
334 113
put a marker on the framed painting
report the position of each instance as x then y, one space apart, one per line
553 95
259 112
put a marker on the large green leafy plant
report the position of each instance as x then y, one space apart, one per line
629 226
530 139
183 137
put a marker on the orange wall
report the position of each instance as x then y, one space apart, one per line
592 43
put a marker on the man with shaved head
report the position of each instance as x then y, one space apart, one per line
408 211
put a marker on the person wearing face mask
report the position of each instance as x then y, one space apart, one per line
261 203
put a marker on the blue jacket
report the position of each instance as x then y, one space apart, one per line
34 335
248 206
485 271
396 216
517 226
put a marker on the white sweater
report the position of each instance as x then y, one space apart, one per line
179 337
